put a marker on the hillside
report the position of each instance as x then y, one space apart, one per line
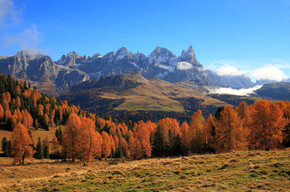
238 171
131 92
279 91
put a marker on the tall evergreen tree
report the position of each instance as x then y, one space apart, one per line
39 152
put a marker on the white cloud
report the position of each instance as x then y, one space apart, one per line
29 38
279 68
230 71
240 92
269 73
184 65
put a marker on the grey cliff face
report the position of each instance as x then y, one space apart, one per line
40 68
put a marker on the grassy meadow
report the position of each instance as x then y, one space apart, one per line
237 171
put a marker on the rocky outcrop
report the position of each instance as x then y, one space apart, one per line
39 68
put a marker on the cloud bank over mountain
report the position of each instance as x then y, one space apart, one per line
257 69
240 92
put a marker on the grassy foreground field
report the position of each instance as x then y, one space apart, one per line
238 171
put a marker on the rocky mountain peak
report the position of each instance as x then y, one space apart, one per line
188 55
121 53
72 59
161 55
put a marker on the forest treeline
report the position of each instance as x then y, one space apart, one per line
81 135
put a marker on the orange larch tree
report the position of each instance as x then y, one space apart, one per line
18 90
285 107
135 147
244 114
18 102
40 109
70 139
197 134
141 132
1 112
266 125
55 145
98 145
124 146
184 136
51 120
21 144
88 140
27 120
209 130
112 144
106 146
230 135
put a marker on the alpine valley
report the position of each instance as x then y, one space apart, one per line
126 84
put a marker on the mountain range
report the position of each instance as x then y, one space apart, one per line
58 77
134 86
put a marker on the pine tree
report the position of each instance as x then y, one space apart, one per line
46 152
5 147
39 152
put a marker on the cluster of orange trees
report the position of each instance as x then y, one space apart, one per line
263 125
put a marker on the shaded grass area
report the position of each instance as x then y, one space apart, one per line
238 171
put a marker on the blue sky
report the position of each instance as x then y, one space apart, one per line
229 36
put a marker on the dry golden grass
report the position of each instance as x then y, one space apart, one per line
238 171
158 95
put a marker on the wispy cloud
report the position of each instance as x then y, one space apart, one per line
8 12
14 36
28 38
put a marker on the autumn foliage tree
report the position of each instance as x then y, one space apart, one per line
141 140
106 146
21 144
266 125
197 135
70 139
55 145
184 128
209 132
229 134
1 112
89 142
